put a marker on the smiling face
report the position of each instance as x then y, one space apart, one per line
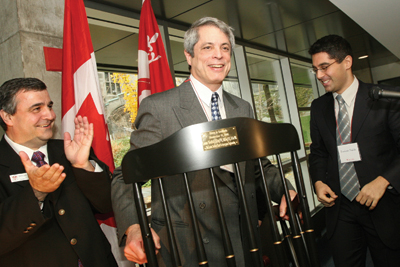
212 57
337 77
33 122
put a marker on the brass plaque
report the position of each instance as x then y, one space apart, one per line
220 138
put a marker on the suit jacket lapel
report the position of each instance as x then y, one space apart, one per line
11 159
362 106
329 116
190 111
231 108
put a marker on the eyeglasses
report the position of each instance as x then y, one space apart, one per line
322 69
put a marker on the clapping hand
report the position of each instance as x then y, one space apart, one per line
77 150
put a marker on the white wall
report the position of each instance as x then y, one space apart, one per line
386 72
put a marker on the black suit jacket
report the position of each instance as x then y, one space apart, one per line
376 130
67 229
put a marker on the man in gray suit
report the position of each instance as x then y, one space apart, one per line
208 48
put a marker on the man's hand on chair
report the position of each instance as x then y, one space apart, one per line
134 249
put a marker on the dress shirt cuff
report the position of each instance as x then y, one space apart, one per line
96 166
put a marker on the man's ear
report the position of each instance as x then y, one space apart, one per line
188 57
348 61
6 117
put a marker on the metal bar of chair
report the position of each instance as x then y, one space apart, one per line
176 261
294 227
276 236
254 250
308 231
226 241
201 254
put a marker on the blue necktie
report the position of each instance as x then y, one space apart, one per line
214 107
349 185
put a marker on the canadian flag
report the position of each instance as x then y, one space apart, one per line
81 95
154 74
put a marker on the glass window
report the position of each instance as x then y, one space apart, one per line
267 85
302 79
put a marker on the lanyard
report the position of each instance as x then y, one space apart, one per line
201 102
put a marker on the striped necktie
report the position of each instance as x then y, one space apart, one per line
349 184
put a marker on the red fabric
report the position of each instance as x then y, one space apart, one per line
77 49
153 69
53 58
81 94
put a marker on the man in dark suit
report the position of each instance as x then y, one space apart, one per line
47 203
355 162
208 49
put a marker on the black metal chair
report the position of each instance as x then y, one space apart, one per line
217 143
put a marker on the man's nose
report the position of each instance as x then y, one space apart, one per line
218 53
49 114
319 74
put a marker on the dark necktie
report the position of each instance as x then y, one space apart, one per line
215 114
214 107
349 185
38 158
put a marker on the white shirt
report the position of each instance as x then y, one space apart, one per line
204 94
349 96
18 148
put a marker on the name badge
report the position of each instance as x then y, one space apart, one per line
19 177
349 153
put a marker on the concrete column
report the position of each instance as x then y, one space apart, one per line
26 27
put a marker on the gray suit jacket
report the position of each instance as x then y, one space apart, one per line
159 116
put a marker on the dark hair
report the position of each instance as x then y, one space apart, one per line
336 46
10 89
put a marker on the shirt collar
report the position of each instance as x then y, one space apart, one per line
203 92
18 148
350 93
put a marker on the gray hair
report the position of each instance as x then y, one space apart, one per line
192 34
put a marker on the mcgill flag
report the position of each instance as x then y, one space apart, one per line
81 95
154 74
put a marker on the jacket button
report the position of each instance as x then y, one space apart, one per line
61 212
26 231
202 205
33 224
73 241
29 228
205 240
